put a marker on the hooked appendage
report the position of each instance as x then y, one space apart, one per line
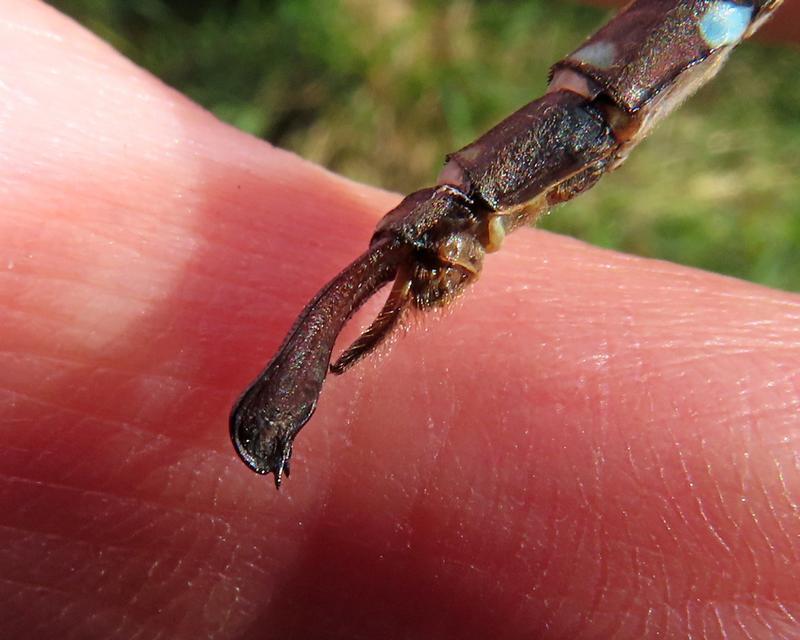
602 101
429 245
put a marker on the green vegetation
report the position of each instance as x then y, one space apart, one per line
380 91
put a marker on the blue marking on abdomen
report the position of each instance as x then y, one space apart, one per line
725 23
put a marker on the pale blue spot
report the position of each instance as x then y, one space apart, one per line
597 54
725 23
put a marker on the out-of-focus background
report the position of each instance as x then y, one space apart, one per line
381 90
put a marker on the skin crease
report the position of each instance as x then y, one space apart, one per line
590 445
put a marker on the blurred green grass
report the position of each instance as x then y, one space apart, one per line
380 91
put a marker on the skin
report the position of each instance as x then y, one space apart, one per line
590 445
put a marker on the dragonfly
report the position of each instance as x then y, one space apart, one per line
602 100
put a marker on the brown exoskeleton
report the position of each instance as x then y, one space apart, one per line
602 101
